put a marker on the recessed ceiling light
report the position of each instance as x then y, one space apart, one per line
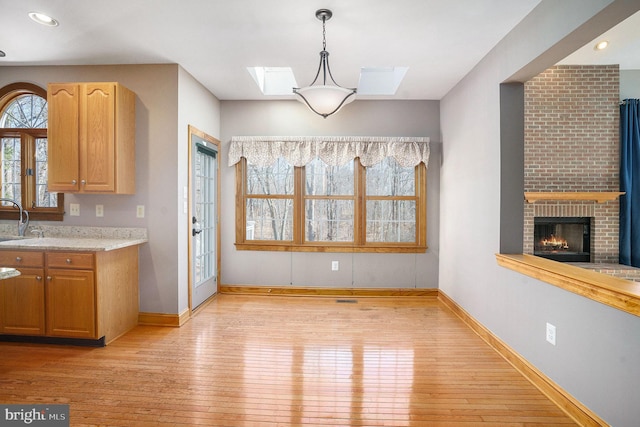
601 45
43 19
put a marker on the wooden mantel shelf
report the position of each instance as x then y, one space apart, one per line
596 196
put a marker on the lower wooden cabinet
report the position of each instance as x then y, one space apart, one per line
71 299
22 303
84 295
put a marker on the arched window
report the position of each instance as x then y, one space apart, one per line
23 153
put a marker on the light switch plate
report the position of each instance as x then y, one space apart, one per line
140 211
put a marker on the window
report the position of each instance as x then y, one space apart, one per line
23 153
292 198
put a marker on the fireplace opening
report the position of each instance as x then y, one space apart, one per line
565 239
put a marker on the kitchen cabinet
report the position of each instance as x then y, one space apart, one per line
81 295
91 138
22 297
70 295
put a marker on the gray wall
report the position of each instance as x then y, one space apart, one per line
361 118
629 84
198 108
166 99
597 356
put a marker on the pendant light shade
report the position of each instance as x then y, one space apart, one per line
324 99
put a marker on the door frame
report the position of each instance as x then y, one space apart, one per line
193 131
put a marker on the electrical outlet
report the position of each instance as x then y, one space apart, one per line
140 211
74 209
551 334
335 265
99 210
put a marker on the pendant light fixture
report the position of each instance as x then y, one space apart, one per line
322 98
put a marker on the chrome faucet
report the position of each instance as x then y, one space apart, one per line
23 218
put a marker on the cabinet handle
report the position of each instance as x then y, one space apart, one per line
18 259
38 277
49 277
83 182
68 260
74 182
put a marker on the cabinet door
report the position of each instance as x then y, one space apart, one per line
97 137
22 303
70 303
63 137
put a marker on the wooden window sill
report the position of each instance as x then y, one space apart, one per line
323 247
613 291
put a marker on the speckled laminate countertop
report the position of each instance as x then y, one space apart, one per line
69 244
7 273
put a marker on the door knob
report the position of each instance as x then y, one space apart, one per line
196 228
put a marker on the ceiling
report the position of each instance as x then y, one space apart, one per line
215 40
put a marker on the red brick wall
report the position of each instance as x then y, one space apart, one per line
572 144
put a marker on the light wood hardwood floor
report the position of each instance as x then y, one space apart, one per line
285 361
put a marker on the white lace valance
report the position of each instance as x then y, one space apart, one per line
299 151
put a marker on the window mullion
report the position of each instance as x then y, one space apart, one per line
421 194
360 211
241 216
27 163
298 205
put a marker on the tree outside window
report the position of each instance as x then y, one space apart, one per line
320 207
23 153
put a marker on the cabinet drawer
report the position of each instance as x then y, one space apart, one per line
70 260
21 259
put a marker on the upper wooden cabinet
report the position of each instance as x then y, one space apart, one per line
91 138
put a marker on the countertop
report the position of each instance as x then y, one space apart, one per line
69 243
7 273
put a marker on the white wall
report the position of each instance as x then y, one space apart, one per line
160 167
360 118
597 356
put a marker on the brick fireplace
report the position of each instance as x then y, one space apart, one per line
572 145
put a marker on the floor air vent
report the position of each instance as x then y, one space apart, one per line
347 301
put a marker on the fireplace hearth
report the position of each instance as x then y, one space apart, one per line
564 239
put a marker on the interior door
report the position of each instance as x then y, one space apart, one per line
204 220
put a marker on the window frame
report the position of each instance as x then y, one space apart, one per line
27 157
299 244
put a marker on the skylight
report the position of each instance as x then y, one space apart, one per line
373 80
274 80
380 80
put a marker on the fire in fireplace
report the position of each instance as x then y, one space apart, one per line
565 239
